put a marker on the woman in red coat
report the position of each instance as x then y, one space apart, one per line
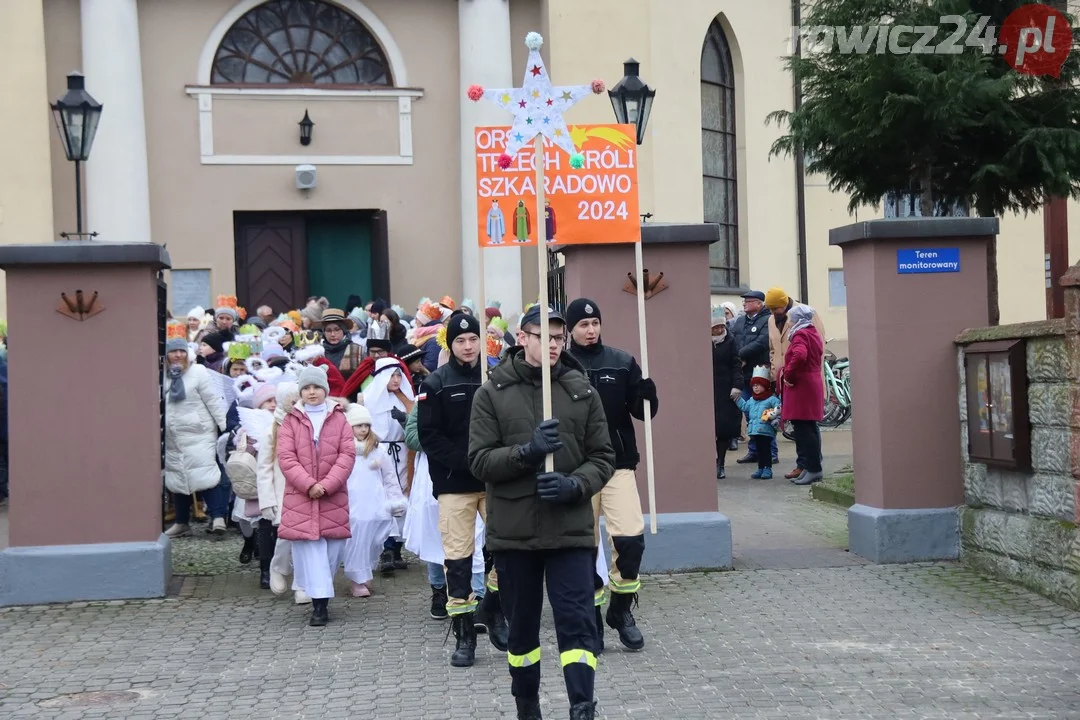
803 389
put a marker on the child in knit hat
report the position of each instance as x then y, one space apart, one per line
763 410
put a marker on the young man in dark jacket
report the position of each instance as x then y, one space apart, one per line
540 524
442 422
617 378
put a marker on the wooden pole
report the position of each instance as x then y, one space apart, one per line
541 270
643 342
481 317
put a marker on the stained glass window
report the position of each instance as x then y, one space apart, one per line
300 42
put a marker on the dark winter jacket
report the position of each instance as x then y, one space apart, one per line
752 338
505 412
617 377
727 373
442 422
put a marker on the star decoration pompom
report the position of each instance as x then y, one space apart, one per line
505 161
475 92
577 161
534 41
598 87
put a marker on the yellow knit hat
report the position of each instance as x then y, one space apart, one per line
776 298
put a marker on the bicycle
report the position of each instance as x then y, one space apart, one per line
837 394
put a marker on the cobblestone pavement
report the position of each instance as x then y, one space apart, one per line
913 641
774 524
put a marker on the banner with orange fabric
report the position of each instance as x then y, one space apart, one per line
597 203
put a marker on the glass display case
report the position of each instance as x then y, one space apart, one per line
999 432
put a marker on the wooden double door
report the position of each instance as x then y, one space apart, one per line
282 258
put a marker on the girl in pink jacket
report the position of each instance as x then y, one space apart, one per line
316 454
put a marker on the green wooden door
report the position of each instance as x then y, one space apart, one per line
339 260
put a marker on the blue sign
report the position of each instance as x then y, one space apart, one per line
928 260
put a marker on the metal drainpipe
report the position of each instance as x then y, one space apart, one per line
800 167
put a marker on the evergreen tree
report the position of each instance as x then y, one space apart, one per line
961 129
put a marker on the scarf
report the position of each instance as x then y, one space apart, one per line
176 389
801 316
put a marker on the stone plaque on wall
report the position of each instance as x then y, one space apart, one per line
189 288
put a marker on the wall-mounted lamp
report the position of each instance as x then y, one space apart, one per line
305 129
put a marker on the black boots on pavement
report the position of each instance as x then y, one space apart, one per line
438 603
497 630
528 709
465 633
319 612
248 550
583 711
599 630
620 619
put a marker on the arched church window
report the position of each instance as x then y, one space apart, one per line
719 179
300 42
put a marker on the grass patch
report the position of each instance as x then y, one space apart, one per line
837 489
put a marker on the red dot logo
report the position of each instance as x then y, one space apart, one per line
1035 39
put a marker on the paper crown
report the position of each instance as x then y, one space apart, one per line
448 302
500 323
248 330
760 373
175 330
225 301
304 338
239 351
296 317
429 310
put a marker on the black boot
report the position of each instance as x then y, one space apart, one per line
319 612
248 550
498 632
465 648
265 537
747 458
399 562
528 709
720 472
438 603
481 618
599 631
583 711
621 619
386 563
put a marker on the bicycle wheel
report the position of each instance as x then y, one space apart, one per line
834 413
788 430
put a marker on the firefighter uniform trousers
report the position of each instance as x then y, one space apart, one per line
457 526
621 505
569 575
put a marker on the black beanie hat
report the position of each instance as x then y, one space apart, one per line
378 307
579 310
459 324
216 341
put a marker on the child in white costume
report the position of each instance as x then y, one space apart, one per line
375 499
389 398
272 493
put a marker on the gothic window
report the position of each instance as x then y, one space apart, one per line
719 183
300 42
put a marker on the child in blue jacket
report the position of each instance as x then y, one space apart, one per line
763 412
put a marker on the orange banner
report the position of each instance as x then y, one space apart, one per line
597 203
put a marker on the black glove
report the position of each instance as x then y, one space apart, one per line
399 415
545 440
558 487
647 388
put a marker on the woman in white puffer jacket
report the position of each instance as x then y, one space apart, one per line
194 418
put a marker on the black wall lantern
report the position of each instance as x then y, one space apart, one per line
632 99
77 115
305 129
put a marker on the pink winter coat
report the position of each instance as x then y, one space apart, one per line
801 383
303 465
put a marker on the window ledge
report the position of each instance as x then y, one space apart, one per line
716 290
285 91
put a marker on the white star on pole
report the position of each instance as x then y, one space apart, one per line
537 106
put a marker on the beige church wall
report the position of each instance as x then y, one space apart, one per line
192 204
593 39
63 54
26 202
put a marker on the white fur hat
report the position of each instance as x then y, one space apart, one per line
284 390
308 353
358 415
196 312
